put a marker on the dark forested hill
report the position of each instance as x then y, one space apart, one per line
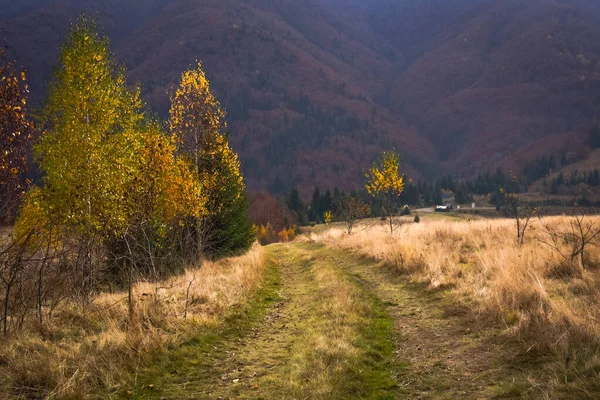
502 77
316 88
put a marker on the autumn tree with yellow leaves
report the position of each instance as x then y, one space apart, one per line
121 198
197 121
15 133
114 186
160 194
86 150
385 181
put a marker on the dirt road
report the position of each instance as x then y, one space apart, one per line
336 325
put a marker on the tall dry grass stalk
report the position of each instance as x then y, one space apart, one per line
79 353
551 304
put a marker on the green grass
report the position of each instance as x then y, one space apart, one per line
171 368
376 340
370 375
311 331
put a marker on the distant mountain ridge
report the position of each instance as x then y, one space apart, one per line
316 89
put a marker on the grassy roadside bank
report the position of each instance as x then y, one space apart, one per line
178 367
98 352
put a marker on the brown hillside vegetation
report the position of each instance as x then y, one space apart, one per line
511 73
315 89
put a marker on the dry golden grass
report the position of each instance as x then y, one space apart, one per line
553 307
79 353
330 345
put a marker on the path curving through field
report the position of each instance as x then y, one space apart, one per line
342 326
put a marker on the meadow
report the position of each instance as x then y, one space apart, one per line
545 300
332 316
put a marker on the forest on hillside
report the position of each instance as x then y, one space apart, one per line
457 87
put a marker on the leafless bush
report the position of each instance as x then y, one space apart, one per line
36 274
570 240
399 224
521 212
351 210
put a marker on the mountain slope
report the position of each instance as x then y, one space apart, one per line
316 89
505 77
296 79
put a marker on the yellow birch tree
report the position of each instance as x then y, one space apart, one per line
385 181
197 120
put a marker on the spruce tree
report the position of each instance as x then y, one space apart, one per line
315 212
295 204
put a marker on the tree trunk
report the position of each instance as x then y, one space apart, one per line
199 242
40 291
130 292
187 297
6 303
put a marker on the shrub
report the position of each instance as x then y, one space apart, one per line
417 219
291 233
283 236
266 235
